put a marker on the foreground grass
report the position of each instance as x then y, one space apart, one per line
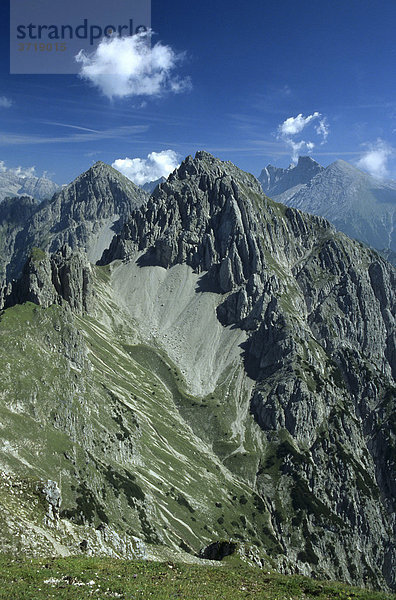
79 578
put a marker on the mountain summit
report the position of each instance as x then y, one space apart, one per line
356 203
275 180
85 215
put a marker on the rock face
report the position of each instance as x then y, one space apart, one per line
212 232
15 213
275 180
84 215
39 188
51 492
356 203
59 278
288 441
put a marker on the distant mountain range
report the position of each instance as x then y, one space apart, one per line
151 185
39 188
359 205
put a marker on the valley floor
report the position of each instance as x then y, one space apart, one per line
80 578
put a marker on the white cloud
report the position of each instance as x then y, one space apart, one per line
22 172
5 102
142 170
299 148
129 66
292 126
323 129
375 160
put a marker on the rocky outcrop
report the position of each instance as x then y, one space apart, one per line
50 491
32 525
59 278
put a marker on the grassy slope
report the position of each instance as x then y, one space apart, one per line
107 415
81 578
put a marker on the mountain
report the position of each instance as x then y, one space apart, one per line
356 203
275 180
225 377
150 186
85 215
39 188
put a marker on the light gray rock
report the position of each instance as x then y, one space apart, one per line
51 492
12 185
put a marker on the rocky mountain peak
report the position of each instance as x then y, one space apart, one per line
358 204
305 162
103 174
40 188
85 215
342 167
276 180
215 218
150 186
12 185
202 215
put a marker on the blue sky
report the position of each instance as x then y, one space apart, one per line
246 68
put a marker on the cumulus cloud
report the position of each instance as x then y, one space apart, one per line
375 159
293 126
5 102
142 170
22 172
299 148
129 66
